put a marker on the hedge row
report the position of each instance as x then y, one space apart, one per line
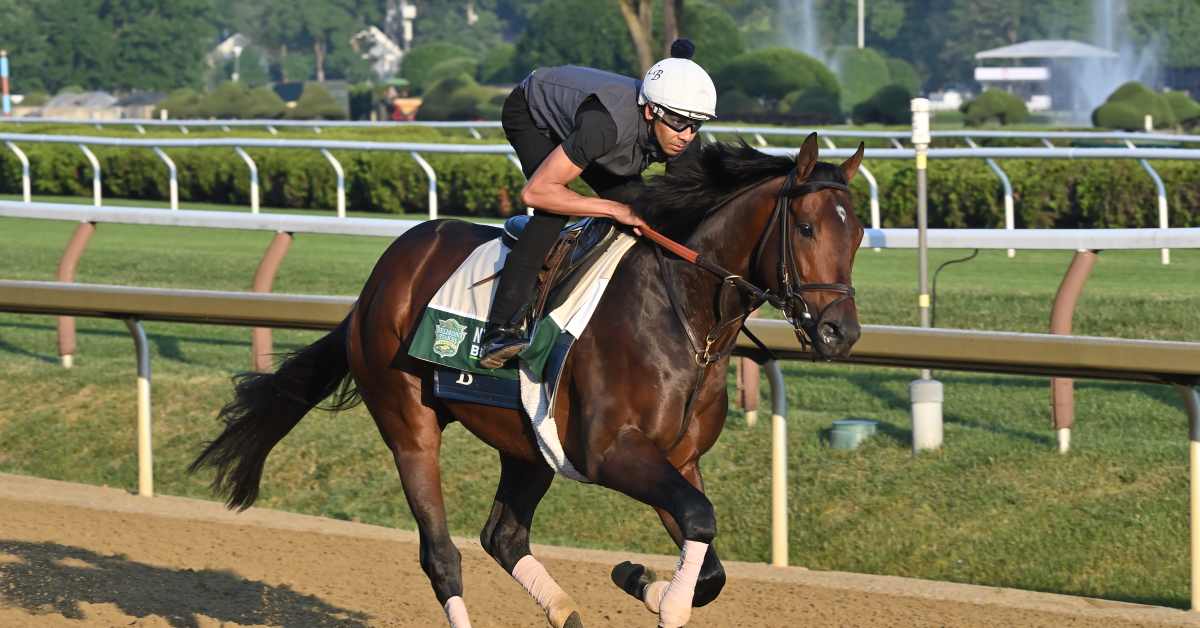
962 193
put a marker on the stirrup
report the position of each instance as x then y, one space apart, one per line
504 345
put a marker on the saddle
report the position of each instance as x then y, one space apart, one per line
578 245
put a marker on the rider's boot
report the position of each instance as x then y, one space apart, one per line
503 340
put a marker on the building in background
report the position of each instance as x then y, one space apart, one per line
1046 73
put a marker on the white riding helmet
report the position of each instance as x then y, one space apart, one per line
681 86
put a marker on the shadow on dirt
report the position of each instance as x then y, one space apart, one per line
48 578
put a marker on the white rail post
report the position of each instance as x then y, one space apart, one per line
925 392
91 157
474 133
762 141
253 178
140 129
1162 199
26 182
433 208
874 187
1191 403
779 483
271 130
1009 218
145 448
174 184
341 182
183 129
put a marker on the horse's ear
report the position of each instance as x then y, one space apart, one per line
806 159
850 166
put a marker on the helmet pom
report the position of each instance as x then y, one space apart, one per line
683 48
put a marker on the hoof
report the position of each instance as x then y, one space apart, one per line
632 579
573 621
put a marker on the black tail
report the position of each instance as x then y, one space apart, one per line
266 406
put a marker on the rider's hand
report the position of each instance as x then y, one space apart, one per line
626 216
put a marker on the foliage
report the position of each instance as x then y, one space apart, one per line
862 72
578 32
229 100
263 102
316 104
1127 107
36 98
735 104
461 98
362 100
1184 107
714 32
773 73
497 67
181 103
453 67
420 62
813 105
994 106
902 73
890 105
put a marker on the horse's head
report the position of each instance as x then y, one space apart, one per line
808 251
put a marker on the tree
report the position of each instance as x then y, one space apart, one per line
639 19
159 44
28 51
862 71
420 61
715 34
554 37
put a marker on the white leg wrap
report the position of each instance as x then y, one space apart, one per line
653 595
530 573
456 612
675 609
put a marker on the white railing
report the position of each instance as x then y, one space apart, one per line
416 149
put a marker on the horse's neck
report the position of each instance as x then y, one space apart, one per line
727 238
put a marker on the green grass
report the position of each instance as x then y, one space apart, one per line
997 505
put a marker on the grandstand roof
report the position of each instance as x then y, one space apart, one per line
1048 49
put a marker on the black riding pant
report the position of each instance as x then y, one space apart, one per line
532 145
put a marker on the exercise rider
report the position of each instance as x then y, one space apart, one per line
569 122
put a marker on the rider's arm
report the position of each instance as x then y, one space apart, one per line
547 189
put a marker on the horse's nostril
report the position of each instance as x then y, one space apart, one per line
830 332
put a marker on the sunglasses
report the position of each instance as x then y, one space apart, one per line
677 122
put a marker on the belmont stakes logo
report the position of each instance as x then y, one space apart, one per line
448 335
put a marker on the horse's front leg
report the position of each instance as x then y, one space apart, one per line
633 465
635 579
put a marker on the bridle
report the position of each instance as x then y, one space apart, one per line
791 302
788 296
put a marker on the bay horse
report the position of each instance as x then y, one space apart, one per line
642 395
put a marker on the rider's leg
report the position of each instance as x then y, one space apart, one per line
504 336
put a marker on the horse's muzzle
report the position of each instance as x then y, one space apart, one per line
831 337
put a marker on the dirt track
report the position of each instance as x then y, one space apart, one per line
72 555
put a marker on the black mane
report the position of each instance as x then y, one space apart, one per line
675 203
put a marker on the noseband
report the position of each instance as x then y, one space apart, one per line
791 300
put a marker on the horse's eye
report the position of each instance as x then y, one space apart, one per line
806 230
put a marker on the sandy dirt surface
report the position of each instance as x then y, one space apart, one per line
75 555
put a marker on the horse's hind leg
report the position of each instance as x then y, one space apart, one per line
506 537
634 466
414 434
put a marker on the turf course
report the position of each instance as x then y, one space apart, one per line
996 506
